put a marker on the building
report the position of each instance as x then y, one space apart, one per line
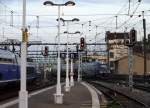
121 65
138 65
116 47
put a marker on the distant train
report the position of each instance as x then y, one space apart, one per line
10 67
91 69
88 69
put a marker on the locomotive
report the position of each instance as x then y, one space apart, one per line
10 68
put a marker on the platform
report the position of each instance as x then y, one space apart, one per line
81 95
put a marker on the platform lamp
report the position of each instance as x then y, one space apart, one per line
71 73
58 96
23 94
67 83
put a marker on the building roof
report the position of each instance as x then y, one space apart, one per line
112 36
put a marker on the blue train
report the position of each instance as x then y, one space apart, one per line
88 69
91 69
10 67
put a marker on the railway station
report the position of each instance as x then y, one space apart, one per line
74 54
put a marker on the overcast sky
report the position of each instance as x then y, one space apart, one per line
101 12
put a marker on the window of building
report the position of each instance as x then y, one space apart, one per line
111 55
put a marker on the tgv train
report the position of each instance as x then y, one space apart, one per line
10 67
88 69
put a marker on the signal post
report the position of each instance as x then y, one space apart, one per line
130 43
45 54
82 47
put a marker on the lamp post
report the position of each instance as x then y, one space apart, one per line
67 84
79 68
58 96
23 94
71 73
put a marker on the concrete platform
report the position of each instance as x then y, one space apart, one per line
81 95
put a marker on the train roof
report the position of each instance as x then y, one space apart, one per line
6 54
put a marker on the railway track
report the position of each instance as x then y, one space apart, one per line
123 100
137 85
142 87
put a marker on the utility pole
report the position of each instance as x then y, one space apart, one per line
145 62
107 43
116 22
3 30
129 7
37 25
11 19
37 33
130 43
130 67
95 39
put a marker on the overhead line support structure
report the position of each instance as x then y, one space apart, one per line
29 44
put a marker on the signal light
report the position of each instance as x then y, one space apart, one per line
46 51
82 43
126 42
133 36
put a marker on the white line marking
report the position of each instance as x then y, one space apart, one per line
95 99
9 103
101 94
41 91
29 96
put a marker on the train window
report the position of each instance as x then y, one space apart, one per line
10 60
111 64
6 60
1 60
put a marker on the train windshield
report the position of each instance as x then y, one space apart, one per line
6 60
6 56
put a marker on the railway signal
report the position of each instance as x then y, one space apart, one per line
132 39
82 43
46 50
133 36
130 42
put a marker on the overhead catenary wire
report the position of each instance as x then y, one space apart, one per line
108 23
112 17
130 17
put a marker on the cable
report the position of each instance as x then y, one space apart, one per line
106 21
131 16
129 7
